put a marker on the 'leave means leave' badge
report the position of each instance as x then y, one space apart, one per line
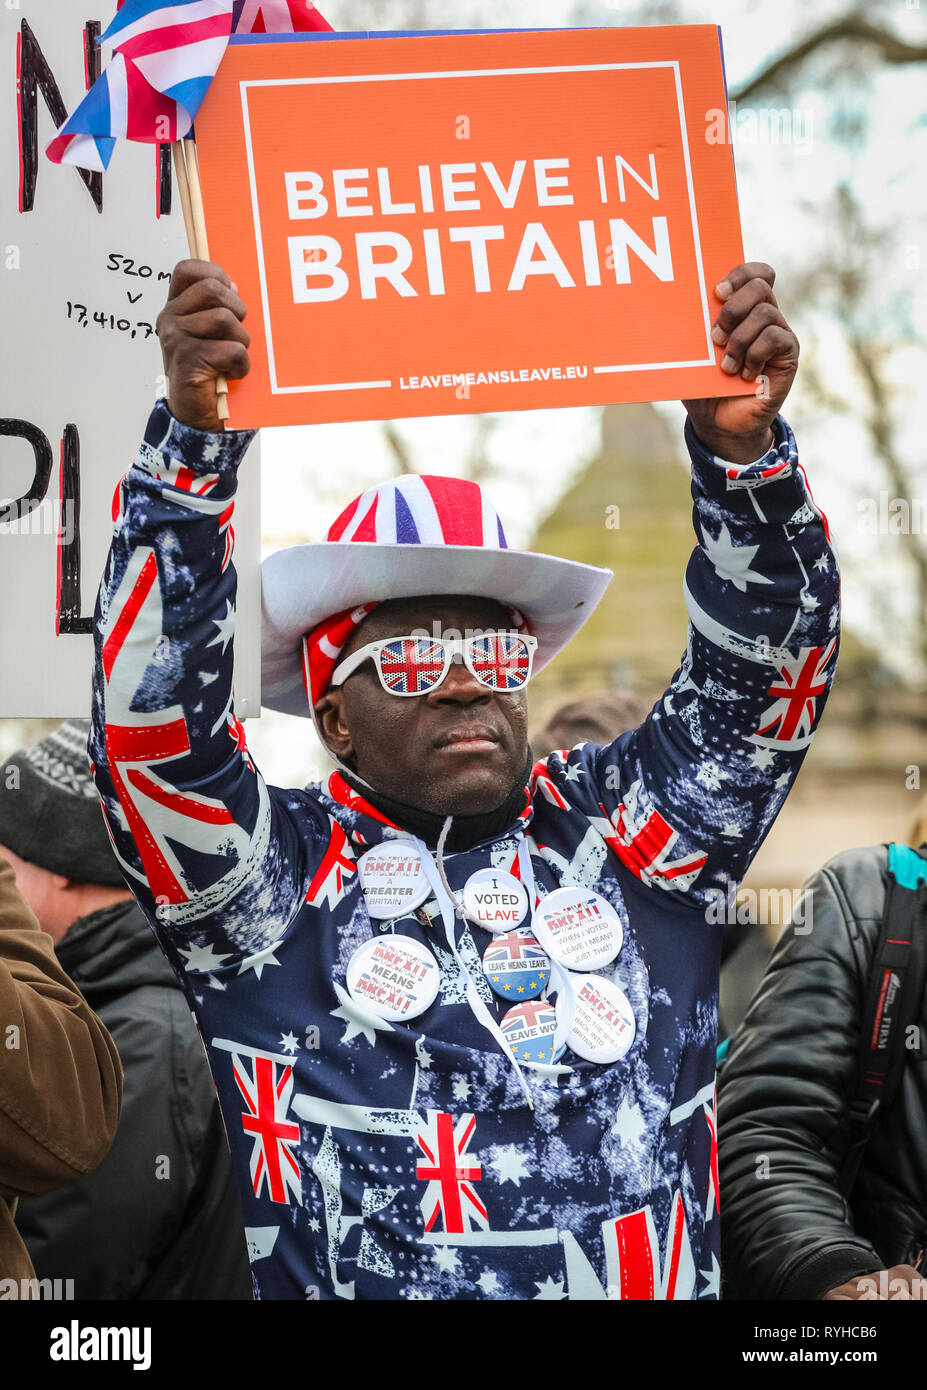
515 966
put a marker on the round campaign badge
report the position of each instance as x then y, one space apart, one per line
515 966
578 928
395 977
392 878
496 898
603 1022
529 1031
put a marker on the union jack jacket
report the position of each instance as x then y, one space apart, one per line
401 1160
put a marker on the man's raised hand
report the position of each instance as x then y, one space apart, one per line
757 343
202 338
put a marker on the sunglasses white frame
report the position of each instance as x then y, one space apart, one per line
452 646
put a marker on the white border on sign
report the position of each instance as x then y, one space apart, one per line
277 390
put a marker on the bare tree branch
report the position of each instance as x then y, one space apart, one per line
851 27
845 282
869 358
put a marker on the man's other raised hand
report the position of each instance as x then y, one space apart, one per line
202 338
759 346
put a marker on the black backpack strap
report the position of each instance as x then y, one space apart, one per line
894 989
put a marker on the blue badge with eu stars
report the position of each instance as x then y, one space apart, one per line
515 966
529 1031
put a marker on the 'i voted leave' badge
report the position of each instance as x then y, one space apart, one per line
579 929
603 1022
392 878
395 977
515 966
529 1031
496 898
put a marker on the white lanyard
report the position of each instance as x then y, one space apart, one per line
560 978
449 911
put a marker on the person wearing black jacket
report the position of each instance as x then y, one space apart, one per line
160 1217
784 1095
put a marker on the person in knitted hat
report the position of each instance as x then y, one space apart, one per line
123 1231
460 1007
50 816
60 1083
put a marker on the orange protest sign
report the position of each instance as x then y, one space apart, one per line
438 225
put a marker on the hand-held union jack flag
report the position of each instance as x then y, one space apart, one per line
277 17
166 53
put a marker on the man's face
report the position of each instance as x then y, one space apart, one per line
456 750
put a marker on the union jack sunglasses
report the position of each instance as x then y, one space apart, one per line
416 665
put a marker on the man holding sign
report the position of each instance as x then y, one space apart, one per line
510 1095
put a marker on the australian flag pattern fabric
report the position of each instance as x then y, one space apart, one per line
385 1160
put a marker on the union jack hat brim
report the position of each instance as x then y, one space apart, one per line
411 536
306 584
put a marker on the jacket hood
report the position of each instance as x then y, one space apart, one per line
113 949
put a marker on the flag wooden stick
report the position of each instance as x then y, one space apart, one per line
183 188
196 198
191 200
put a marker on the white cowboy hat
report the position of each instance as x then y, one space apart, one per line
412 536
